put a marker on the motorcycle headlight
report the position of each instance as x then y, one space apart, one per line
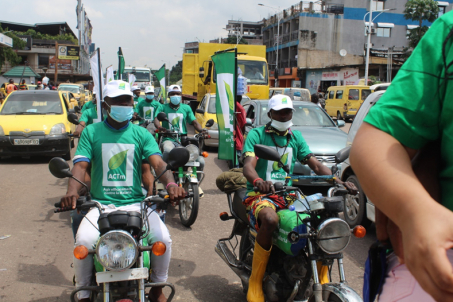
58 129
333 235
193 151
117 250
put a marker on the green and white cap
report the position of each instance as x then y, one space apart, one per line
116 88
279 102
174 88
149 89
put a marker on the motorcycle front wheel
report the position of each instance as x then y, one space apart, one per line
188 207
332 298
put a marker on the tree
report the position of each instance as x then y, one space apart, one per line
420 10
233 40
8 54
176 73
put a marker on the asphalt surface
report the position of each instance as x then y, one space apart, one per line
35 261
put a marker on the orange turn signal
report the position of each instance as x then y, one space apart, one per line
159 248
80 252
359 231
205 154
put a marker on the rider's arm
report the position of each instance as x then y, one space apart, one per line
79 171
147 178
79 128
197 126
159 166
318 167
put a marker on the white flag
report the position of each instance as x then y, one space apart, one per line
96 73
132 79
109 74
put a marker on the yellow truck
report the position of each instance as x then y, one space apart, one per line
198 71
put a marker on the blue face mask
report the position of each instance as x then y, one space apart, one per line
121 113
150 97
175 99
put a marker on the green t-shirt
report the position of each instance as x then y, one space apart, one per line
296 150
116 159
87 106
147 109
137 99
178 118
415 108
88 116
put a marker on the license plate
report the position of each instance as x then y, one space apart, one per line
130 274
26 141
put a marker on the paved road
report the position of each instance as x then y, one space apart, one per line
35 262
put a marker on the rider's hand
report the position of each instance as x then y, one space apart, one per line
351 188
265 187
69 200
76 134
176 193
162 129
427 236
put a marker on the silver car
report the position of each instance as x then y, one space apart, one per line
321 133
358 209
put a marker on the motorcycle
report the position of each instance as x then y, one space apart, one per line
186 176
121 255
310 231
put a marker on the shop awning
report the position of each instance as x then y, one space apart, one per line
442 3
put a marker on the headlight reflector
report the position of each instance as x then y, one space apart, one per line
117 250
194 152
333 235
58 129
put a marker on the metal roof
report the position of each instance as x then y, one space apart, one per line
18 72
52 28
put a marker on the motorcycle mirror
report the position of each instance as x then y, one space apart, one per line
72 118
59 168
209 123
334 169
266 152
178 157
201 111
342 155
162 117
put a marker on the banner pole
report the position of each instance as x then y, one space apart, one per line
235 79
100 82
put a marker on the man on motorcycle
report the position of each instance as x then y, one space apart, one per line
136 91
262 174
115 149
147 107
178 114
90 104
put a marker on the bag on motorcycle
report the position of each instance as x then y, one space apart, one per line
290 221
231 181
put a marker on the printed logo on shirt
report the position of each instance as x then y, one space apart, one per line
148 113
275 173
118 165
176 120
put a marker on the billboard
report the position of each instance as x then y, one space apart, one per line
68 52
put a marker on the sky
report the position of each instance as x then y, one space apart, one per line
150 32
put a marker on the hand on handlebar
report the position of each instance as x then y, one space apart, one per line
69 201
265 187
162 129
351 187
176 193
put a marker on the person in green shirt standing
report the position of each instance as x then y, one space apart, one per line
147 107
178 114
90 104
114 149
263 174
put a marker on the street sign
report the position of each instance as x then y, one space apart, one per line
68 52
5 41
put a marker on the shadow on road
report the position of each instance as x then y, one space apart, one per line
47 274
24 160
63 297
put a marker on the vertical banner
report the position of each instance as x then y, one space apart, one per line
226 79
160 74
131 79
109 74
96 73
121 64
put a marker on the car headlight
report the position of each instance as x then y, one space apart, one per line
2 133
58 129
117 250
193 151
333 235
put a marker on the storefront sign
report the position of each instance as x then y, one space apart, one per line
67 52
331 75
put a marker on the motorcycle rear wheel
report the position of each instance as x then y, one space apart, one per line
188 207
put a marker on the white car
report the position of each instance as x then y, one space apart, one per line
358 210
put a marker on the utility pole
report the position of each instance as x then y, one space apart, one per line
368 46
56 63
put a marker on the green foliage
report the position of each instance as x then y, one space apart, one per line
176 73
372 80
233 40
420 10
8 54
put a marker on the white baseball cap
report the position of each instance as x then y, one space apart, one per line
279 102
134 88
116 88
45 80
174 88
149 89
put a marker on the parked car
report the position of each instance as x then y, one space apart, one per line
343 102
70 99
321 133
298 94
35 122
77 89
359 210
206 111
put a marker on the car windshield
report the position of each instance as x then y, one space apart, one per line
211 104
312 116
254 71
32 103
140 75
73 89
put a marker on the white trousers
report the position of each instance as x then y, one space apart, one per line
88 235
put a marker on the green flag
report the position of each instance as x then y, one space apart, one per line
160 74
225 67
121 65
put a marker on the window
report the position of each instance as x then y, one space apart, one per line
365 93
331 94
203 103
441 10
251 112
383 32
43 60
353 94
212 105
377 5
339 94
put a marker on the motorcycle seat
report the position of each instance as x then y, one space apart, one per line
238 206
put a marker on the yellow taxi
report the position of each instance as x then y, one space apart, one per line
70 99
77 89
35 122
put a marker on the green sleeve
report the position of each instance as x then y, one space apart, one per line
84 147
253 138
190 116
157 108
137 108
85 117
410 108
150 146
303 148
